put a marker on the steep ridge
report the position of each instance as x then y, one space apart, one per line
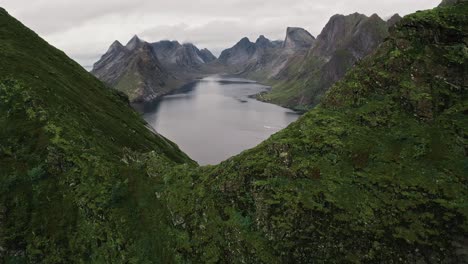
394 20
70 188
375 174
145 71
343 41
134 70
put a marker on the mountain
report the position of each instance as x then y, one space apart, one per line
239 54
265 58
374 174
451 2
134 70
297 38
71 189
345 40
175 56
145 71
393 20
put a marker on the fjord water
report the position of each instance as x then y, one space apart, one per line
214 118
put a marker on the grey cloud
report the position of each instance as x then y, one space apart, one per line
85 28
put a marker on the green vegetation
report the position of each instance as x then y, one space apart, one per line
69 189
305 80
375 174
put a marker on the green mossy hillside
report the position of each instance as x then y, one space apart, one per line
375 174
69 189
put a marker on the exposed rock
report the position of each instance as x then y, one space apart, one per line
207 56
298 38
133 69
146 71
239 53
343 41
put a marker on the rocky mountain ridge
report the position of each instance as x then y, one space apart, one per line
343 41
145 71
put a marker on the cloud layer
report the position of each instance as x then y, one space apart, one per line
85 28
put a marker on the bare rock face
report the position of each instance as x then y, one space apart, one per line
343 41
146 71
207 56
338 31
180 56
298 38
239 54
265 58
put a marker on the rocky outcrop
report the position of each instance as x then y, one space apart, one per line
394 20
298 38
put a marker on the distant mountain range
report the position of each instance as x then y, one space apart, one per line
377 173
301 68
145 71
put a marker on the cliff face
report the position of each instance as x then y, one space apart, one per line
343 41
265 58
451 2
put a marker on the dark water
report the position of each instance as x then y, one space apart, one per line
214 119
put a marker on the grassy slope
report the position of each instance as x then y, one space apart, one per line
69 187
376 174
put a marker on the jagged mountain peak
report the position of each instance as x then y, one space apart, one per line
451 2
115 47
298 38
206 55
244 41
134 42
394 19
341 29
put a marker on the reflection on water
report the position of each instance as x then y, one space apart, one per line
214 118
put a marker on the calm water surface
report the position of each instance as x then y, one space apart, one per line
214 119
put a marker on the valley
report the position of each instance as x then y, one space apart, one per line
374 171
215 118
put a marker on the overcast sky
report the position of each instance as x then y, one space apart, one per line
84 29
